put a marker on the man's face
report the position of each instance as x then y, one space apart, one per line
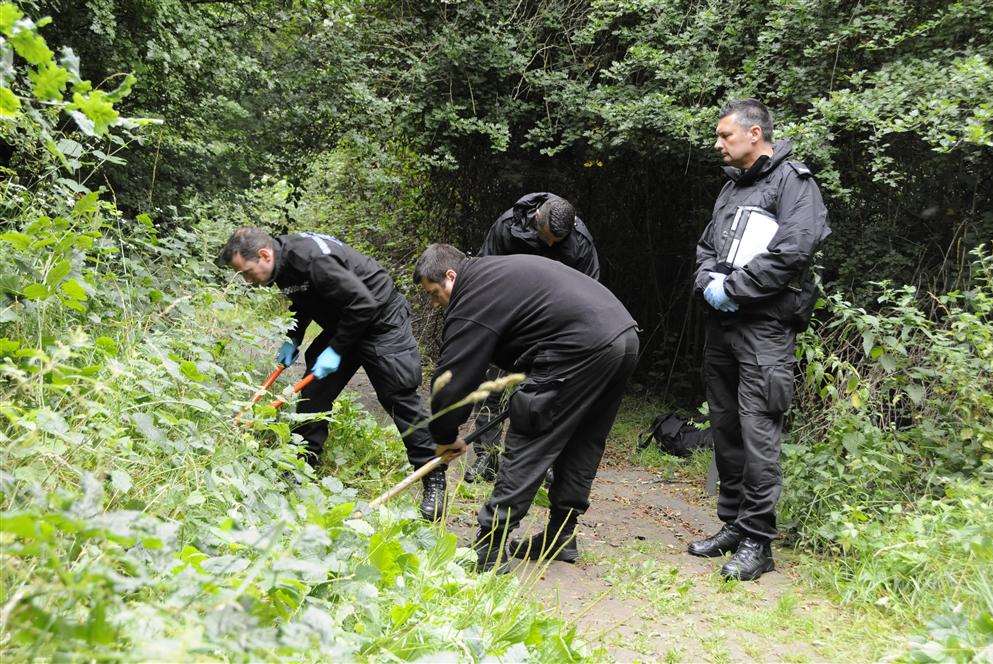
440 293
737 144
257 271
545 232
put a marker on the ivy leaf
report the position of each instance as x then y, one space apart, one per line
36 292
29 44
10 105
97 108
915 392
49 82
69 60
84 123
9 15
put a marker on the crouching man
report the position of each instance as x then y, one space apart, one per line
365 322
577 344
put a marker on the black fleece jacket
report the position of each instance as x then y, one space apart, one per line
517 312
330 284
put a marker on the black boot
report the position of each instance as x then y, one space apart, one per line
433 500
557 542
725 541
752 559
484 468
491 554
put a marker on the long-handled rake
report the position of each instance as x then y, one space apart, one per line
427 468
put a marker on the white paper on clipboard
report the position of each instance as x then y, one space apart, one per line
754 239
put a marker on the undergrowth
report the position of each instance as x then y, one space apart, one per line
138 521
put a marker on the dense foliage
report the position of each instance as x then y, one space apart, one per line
138 522
136 515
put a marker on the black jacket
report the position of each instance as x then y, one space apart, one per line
330 284
518 312
775 284
514 233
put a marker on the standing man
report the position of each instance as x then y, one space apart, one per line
578 345
540 224
755 311
365 322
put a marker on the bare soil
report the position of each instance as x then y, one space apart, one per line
636 595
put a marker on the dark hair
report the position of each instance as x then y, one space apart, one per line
559 215
750 112
246 242
436 260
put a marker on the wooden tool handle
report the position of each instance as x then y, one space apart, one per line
300 384
259 393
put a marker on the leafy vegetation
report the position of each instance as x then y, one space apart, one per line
138 521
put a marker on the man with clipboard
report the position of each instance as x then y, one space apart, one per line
753 271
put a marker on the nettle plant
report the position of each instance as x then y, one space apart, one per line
896 404
138 522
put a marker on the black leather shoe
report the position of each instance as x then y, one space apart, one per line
726 540
752 559
433 500
490 554
557 542
484 469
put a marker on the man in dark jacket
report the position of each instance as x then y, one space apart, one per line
540 224
578 345
365 322
755 311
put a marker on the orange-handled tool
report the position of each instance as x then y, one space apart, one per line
300 384
261 391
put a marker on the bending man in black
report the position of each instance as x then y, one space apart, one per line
754 313
578 345
365 322
539 224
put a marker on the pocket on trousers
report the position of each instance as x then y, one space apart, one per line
778 387
534 408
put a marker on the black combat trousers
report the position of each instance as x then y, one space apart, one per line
748 370
388 352
559 418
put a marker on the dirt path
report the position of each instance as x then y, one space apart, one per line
635 594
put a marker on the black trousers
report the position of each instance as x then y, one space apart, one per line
560 417
388 353
748 370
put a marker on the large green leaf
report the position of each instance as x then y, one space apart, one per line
10 105
9 15
58 272
49 82
97 108
36 292
31 46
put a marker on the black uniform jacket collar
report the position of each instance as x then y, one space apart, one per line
762 166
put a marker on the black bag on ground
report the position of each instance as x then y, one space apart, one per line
675 435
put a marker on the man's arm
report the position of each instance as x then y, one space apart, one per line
586 259
299 326
802 225
466 351
706 261
336 283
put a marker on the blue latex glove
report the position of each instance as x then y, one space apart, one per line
287 353
716 296
327 363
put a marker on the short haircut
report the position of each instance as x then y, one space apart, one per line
559 214
436 260
246 242
750 112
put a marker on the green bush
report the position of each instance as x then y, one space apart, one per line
890 461
138 521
